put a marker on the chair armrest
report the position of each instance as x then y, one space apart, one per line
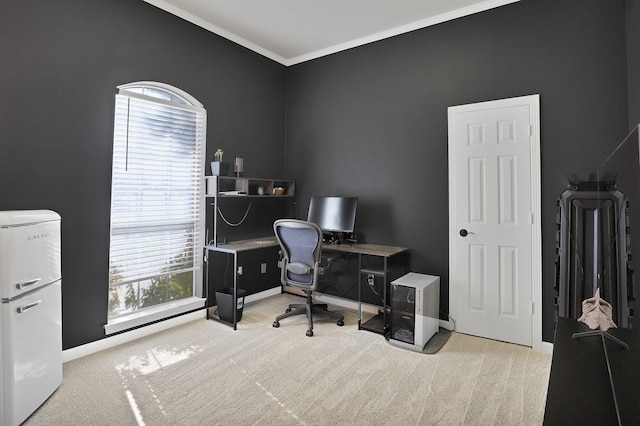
298 268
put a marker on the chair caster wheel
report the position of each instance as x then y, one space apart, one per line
309 333
286 311
276 324
340 323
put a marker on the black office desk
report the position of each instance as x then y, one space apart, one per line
375 264
254 268
579 388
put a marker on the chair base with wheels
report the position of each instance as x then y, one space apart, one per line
308 309
301 246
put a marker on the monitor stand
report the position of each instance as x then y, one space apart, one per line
333 237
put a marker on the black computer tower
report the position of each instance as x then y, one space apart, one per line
415 306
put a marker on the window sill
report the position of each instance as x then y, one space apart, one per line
146 316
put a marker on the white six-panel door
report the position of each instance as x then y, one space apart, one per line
494 219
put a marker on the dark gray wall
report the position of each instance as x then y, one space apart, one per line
372 121
60 64
633 58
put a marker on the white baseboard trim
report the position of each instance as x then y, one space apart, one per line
447 324
546 348
263 294
334 300
118 339
156 313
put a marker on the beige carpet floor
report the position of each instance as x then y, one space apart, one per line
204 373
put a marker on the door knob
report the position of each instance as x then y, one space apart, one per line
464 233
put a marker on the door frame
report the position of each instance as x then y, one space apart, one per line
533 101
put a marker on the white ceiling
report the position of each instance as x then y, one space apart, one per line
294 31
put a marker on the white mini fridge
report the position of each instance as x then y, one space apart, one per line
30 312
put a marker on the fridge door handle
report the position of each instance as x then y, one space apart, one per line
25 308
25 284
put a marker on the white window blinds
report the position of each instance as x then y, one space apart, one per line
157 194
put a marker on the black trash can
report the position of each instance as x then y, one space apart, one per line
224 298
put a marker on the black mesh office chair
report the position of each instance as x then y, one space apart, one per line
301 244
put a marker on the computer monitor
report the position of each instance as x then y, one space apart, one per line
333 214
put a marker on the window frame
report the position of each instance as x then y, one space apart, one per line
177 98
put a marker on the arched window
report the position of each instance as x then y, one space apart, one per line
157 207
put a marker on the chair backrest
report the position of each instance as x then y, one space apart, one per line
301 244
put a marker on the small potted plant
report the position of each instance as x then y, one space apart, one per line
218 167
